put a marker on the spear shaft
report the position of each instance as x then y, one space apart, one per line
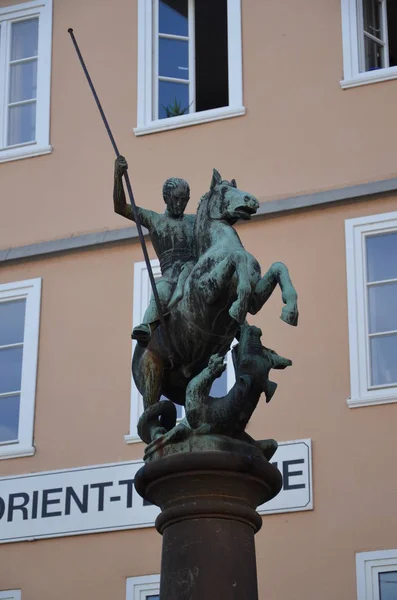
127 183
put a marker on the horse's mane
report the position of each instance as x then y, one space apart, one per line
202 218
203 204
204 201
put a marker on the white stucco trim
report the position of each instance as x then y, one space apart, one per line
145 99
9 14
139 588
10 595
353 75
31 291
368 567
356 231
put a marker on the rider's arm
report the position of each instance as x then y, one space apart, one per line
121 207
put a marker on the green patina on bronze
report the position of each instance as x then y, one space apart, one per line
209 283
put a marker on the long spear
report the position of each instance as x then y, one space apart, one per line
128 185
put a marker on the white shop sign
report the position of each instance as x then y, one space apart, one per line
103 498
294 460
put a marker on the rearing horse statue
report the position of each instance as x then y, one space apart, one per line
224 285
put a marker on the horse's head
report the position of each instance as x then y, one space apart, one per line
227 202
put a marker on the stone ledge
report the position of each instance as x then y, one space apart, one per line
277 207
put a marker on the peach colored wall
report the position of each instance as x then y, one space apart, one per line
10 2
82 414
301 131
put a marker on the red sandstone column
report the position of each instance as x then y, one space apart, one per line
208 521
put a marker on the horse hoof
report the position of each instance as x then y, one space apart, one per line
290 316
236 315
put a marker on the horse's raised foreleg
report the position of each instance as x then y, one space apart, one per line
277 274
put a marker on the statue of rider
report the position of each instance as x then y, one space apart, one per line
171 234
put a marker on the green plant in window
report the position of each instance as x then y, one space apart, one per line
175 109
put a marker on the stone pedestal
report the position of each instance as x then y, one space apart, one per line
208 521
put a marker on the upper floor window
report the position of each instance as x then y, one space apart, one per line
189 68
146 587
376 575
371 244
369 41
142 294
25 60
11 595
19 332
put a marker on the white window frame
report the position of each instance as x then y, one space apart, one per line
141 298
31 291
11 595
362 394
368 567
139 588
353 74
9 14
147 80
190 38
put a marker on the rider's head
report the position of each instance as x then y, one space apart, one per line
176 194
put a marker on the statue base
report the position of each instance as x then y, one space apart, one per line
183 439
208 521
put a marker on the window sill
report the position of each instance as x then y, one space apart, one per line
370 77
23 152
16 451
205 116
357 402
132 439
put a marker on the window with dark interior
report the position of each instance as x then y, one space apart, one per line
189 62
369 41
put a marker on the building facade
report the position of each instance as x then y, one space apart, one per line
297 102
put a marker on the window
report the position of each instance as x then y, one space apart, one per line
377 575
369 41
143 588
142 294
25 66
371 247
19 334
189 62
10 595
